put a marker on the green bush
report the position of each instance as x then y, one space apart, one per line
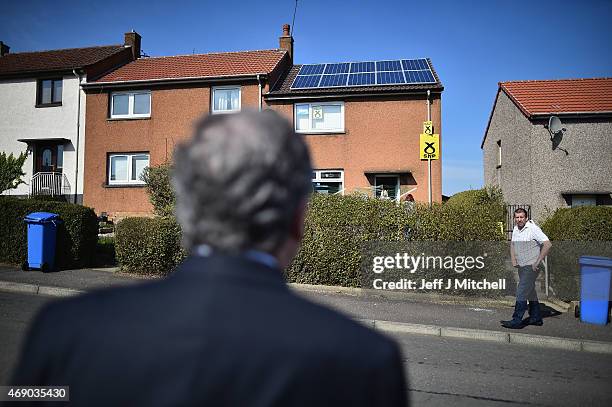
159 188
337 228
586 223
76 238
11 170
148 245
575 232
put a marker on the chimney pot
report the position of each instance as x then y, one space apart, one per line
286 41
4 49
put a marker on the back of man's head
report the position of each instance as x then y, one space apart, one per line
240 180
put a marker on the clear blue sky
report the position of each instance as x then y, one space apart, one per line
473 44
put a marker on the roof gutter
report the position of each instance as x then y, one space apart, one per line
570 114
172 81
350 95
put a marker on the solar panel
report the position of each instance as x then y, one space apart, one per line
337 68
364 73
306 81
360 79
388 66
388 78
363 67
333 80
312 69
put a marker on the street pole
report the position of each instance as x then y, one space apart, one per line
429 159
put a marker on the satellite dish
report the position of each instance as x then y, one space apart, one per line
556 129
554 125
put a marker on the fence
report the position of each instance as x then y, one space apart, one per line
49 183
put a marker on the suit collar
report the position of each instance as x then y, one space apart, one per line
238 268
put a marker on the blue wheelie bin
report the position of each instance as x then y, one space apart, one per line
42 233
595 274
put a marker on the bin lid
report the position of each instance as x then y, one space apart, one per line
595 261
41 217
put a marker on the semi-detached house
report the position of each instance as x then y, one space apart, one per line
364 135
42 111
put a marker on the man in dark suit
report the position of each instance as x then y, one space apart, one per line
224 329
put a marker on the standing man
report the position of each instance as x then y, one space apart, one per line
224 329
528 248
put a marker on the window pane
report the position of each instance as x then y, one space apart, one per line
139 163
60 157
226 99
120 104
57 91
46 92
142 103
301 117
327 187
327 117
119 168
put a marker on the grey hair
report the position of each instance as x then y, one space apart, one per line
240 180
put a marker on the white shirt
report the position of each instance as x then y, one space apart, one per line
527 242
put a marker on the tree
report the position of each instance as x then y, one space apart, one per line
159 188
11 170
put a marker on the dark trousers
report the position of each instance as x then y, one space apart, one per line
526 292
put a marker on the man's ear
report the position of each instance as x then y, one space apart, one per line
297 224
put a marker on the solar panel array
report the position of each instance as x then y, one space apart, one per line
370 73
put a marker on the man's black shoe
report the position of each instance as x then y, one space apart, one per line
529 321
513 324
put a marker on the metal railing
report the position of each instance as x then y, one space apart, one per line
49 183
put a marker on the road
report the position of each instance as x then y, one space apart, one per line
441 371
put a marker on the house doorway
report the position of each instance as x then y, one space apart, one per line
387 186
48 158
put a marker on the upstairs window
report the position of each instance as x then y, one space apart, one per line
226 99
319 117
499 154
49 92
127 105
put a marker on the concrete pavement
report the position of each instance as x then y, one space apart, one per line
426 315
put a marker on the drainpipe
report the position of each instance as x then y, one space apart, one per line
78 136
429 160
259 85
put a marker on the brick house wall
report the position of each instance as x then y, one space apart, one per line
173 112
380 134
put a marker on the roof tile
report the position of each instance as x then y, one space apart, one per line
56 60
561 96
197 66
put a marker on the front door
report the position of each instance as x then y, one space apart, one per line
46 158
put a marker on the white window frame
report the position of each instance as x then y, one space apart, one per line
318 178
499 153
310 130
131 114
212 99
129 180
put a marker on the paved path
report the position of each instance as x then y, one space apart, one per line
441 371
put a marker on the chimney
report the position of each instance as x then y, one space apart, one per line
286 41
132 39
4 49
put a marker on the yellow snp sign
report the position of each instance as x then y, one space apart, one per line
430 147
428 127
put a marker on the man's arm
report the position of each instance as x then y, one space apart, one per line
390 389
542 239
513 255
546 245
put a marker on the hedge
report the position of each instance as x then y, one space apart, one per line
337 229
149 246
575 232
77 234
